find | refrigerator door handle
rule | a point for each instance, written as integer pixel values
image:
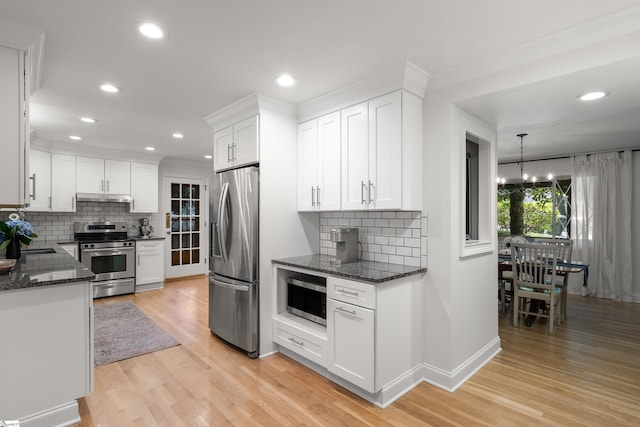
(221, 229)
(225, 284)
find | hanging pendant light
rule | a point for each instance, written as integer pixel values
(523, 176)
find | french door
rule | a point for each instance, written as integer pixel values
(185, 222)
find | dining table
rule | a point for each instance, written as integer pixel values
(562, 268)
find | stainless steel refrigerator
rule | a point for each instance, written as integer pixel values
(233, 258)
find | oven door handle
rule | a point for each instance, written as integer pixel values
(114, 250)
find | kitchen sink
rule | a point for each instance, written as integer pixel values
(38, 251)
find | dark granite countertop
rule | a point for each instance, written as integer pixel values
(35, 270)
(366, 271)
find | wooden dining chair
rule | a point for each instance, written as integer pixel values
(534, 276)
(565, 247)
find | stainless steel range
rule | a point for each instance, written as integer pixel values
(107, 251)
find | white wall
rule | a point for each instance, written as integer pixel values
(460, 294)
(283, 232)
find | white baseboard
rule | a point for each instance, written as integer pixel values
(59, 416)
(149, 287)
(449, 381)
(452, 380)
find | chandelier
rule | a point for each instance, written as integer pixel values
(523, 176)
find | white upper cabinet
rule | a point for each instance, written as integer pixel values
(103, 176)
(355, 157)
(52, 182)
(144, 187)
(63, 183)
(236, 145)
(40, 181)
(385, 152)
(117, 175)
(307, 165)
(319, 163)
(14, 138)
(90, 175)
(381, 143)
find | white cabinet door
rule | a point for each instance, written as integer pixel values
(329, 171)
(350, 333)
(355, 160)
(245, 142)
(117, 176)
(63, 183)
(40, 181)
(149, 262)
(144, 187)
(385, 152)
(222, 146)
(90, 175)
(307, 165)
(14, 138)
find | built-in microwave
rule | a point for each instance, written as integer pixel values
(307, 298)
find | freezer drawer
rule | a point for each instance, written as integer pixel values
(233, 312)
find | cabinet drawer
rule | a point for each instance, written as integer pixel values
(357, 293)
(149, 245)
(299, 341)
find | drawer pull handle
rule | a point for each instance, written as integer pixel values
(351, 312)
(295, 341)
(355, 294)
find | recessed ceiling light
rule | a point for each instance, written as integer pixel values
(151, 30)
(108, 87)
(178, 135)
(208, 156)
(592, 96)
(285, 80)
(88, 119)
(76, 137)
(150, 148)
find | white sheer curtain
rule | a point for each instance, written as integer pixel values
(601, 219)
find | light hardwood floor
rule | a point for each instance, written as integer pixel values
(587, 374)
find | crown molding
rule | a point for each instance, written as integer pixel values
(601, 29)
(247, 107)
(27, 38)
(407, 76)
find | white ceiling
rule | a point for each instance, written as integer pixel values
(219, 51)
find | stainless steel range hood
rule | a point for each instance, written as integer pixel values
(99, 197)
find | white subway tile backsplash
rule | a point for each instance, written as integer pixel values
(382, 223)
(381, 258)
(58, 226)
(395, 259)
(397, 237)
(381, 240)
(404, 251)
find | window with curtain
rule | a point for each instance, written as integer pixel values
(602, 195)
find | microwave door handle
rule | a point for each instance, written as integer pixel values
(221, 229)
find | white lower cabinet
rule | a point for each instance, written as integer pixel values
(47, 355)
(351, 352)
(149, 264)
(372, 337)
(312, 346)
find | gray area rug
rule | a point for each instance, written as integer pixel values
(123, 331)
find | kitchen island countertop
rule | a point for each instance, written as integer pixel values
(366, 271)
(36, 270)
